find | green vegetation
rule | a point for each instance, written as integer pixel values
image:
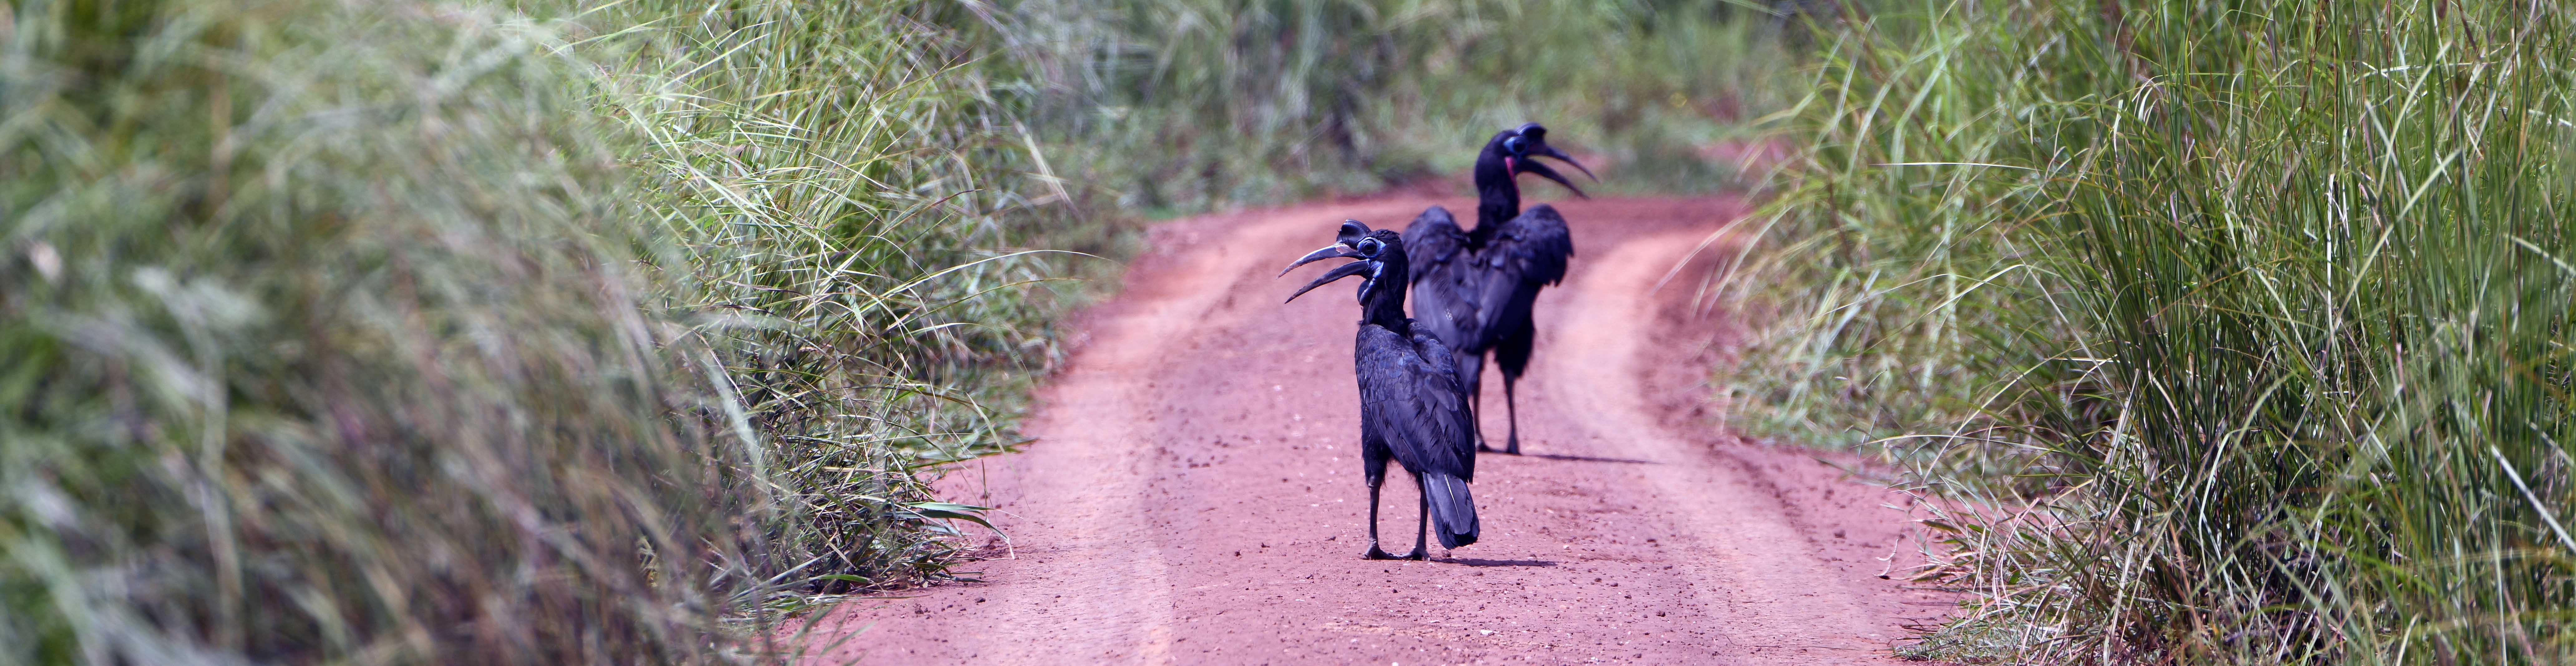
(1182, 105)
(838, 212)
(436, 332)
(2233, 332)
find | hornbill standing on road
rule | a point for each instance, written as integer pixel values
(1411, 406)
(1475, 287)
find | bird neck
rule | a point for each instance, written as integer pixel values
(1385, 304)
(1397, 324)
(1498, 199)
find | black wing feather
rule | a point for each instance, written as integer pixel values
(1533, 247)
(1530, 252)
(1410, 396)
(1431, 240)
(1446, 280)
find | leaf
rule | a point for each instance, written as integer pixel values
(955, 511)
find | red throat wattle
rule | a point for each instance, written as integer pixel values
(1507, 168)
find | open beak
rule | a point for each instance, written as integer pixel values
(1329, 251)
(1366, 267)
(1545, 150)
(1349, 239)
(1349, 236)
(1533, 166)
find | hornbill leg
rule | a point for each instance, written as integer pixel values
(1373, 552)
(1471, 376)
(1513, 354)
(1512, 412)
(1475, 406)
(1422, 527)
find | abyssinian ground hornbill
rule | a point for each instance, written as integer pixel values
(1473, 288)
(1412, 408)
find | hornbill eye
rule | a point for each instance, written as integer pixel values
(1369, 247)
(1517, 146)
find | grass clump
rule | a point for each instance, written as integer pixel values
(324, 338)
(842, 187)
(453, 332)
(2259, 312)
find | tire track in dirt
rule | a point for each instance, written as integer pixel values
(1193, 493)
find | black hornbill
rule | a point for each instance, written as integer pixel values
(1474, 288)
(1412, 408)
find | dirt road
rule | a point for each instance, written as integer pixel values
(1194, 496)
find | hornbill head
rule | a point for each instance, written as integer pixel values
(1373, 250)
(1518, 147)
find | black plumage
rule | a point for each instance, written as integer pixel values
(1412, 408)
(1474, 288)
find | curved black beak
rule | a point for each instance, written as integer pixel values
(1347, 241)
(1533, 166)
(1328, 252)
(1544, 150)
(1348, 236)
(1338, 272)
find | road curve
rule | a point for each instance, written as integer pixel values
(1193, 494)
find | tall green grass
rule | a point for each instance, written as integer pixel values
(844, 190)
(453, 332)
(1179, 105)
(2237, 333)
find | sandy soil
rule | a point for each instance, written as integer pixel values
(1194, 494)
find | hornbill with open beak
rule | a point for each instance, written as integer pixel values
(1412, 408)
(1474, 288)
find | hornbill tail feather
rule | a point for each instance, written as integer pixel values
(1453, 510)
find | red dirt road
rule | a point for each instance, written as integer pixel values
(1194, 496)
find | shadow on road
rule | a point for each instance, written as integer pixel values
(1475, 562)
(1574, 458)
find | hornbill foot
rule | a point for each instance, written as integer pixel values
(1423, 554)
(1375, 554)
(1514, 450)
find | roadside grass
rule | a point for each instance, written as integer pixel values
(844, 191)
(445, 332)
(2233, 333)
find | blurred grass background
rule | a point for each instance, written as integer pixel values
(1175, 106)
(2225, 332)
(561, 331)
